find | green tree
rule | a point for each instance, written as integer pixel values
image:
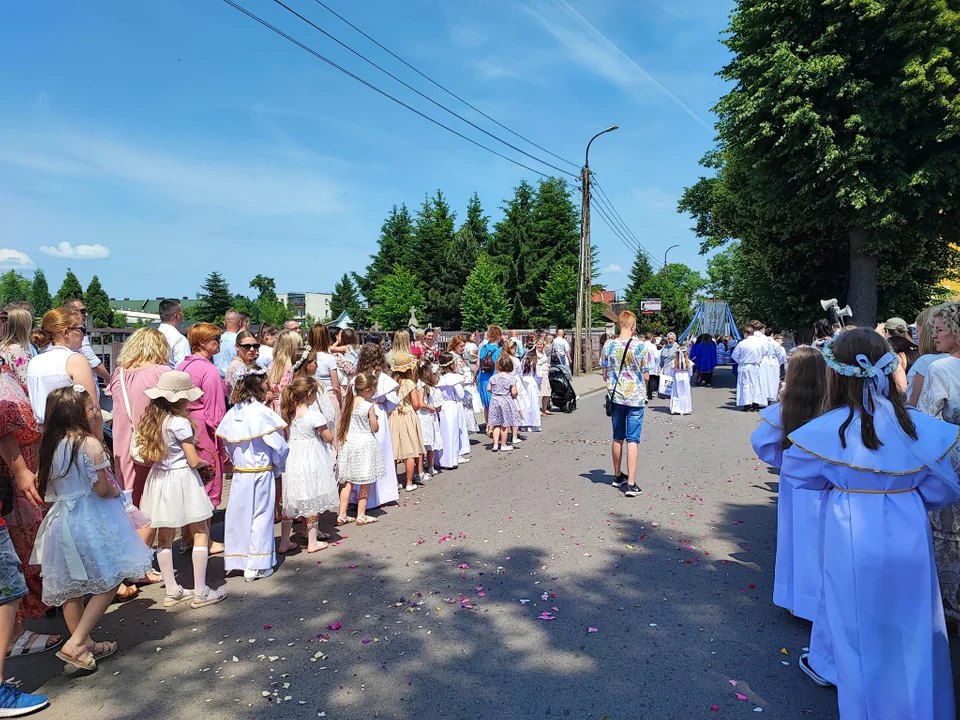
(509, 248)
(70, 290)
(345, 297)
(841, 130)
(215, 299)
(484, 299)
(559, 298)
(396, 236)
(432, 238)
(394, 296)
(478, 223)
(98, 305)
(553, 243)
(451, 276)
(267, 306)
(14, 287)
(676, 285)
(640, 273)
(40, 294)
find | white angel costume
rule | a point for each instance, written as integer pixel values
(748, 355)
(385, 489)
(796, 578)
(451, 422)
(253, 436)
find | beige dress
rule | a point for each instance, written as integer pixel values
(405, 425)
(941, 399)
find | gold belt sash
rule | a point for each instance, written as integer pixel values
(875, 492)
(253, 470)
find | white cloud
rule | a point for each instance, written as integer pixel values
(613, 268)
(78, 252)
(590, 48)
(14, 258)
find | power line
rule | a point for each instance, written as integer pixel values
(413, 89)
(615, 230)
(431, 80)
(612, 208)
(387, 95)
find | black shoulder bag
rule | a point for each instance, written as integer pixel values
(608, 405)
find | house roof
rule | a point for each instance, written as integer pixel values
(607, 296)
(147, 306)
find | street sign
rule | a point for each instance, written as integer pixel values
(649, 306)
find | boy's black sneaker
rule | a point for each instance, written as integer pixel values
(619, 480)
(632, 491)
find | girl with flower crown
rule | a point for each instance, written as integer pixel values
(879, 633)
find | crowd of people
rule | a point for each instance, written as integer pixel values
(306, 425)
(864, 430)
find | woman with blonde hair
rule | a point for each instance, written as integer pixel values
(15, 343)
(207, 411)
(60, 363)
(286, 352)
(401, 344)
(928, 355)
(326, 369)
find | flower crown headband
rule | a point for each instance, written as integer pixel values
(303, 356)
(247, 371)
(864, 368)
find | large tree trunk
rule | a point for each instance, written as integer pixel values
(862, 293)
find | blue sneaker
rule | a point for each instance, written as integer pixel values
(14, 703)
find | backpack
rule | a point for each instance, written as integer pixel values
(486, 361)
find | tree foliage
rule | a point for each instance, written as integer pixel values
(640, 273)
(478, 223)
(508, 247)
(838, 152)
(267, 306)
(345, 297)
(40, 294)
(451, 276)
(393, 297)
(484, 298)
(677, 286)
(98, 305)
(215, 299)
(70, 290)
(396, 237)
(432, 238)
(14, 287)
(559, 298)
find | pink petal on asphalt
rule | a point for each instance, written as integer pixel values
(592, 630)
(741, 697)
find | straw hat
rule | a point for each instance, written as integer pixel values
(403, 361)
(174, 386)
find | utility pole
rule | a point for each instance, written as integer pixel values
(585, 280)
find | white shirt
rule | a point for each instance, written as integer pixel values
(651, 356)
(178, 344)
(750, 351)
(326, 364)
(87, 349)
(45, 373)
(561, 348)
(265, 357)
(228, 351)
(175, 431)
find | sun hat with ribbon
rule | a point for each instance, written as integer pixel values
(403, 361)
(174, 386)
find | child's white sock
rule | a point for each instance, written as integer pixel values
(200, 557)
(165, 561)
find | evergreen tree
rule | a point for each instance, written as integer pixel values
(345, 297)
(508, 248)
(98, 305)
(640, 273)
(70, 290)
(215, 299)
(40, 294)
(396, 236)
(267, 306)
(484, 298)
(14, 287)
(432, 237)
(478, 223)
(559, 298)
(452, 274)
(676, 285)
(554, 242)
(393, 297)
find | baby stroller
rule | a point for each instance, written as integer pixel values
(562, 395)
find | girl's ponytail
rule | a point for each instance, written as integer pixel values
(294, 395)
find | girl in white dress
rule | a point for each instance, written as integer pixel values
(681, 399)
(309, 486)
(86, 545)
(429, 415)
(174, 496)
(253, 436)
(371, 360)
(360, 461)
(450, 385)
(530, 376)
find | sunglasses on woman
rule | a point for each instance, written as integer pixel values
(251, 346)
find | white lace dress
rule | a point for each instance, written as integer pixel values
(86, 544)
(360, 461)
(309, 486)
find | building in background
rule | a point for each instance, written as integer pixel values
(301, 304)
(145, 311)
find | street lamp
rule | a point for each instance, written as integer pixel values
(585, 284)
(665, 256)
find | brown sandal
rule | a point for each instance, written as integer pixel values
(77, 661)
(127, 592)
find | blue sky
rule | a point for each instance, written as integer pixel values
(150, 143)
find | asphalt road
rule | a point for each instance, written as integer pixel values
(659, 606)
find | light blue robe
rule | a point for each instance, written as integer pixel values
(879, 634)
(796, 577)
